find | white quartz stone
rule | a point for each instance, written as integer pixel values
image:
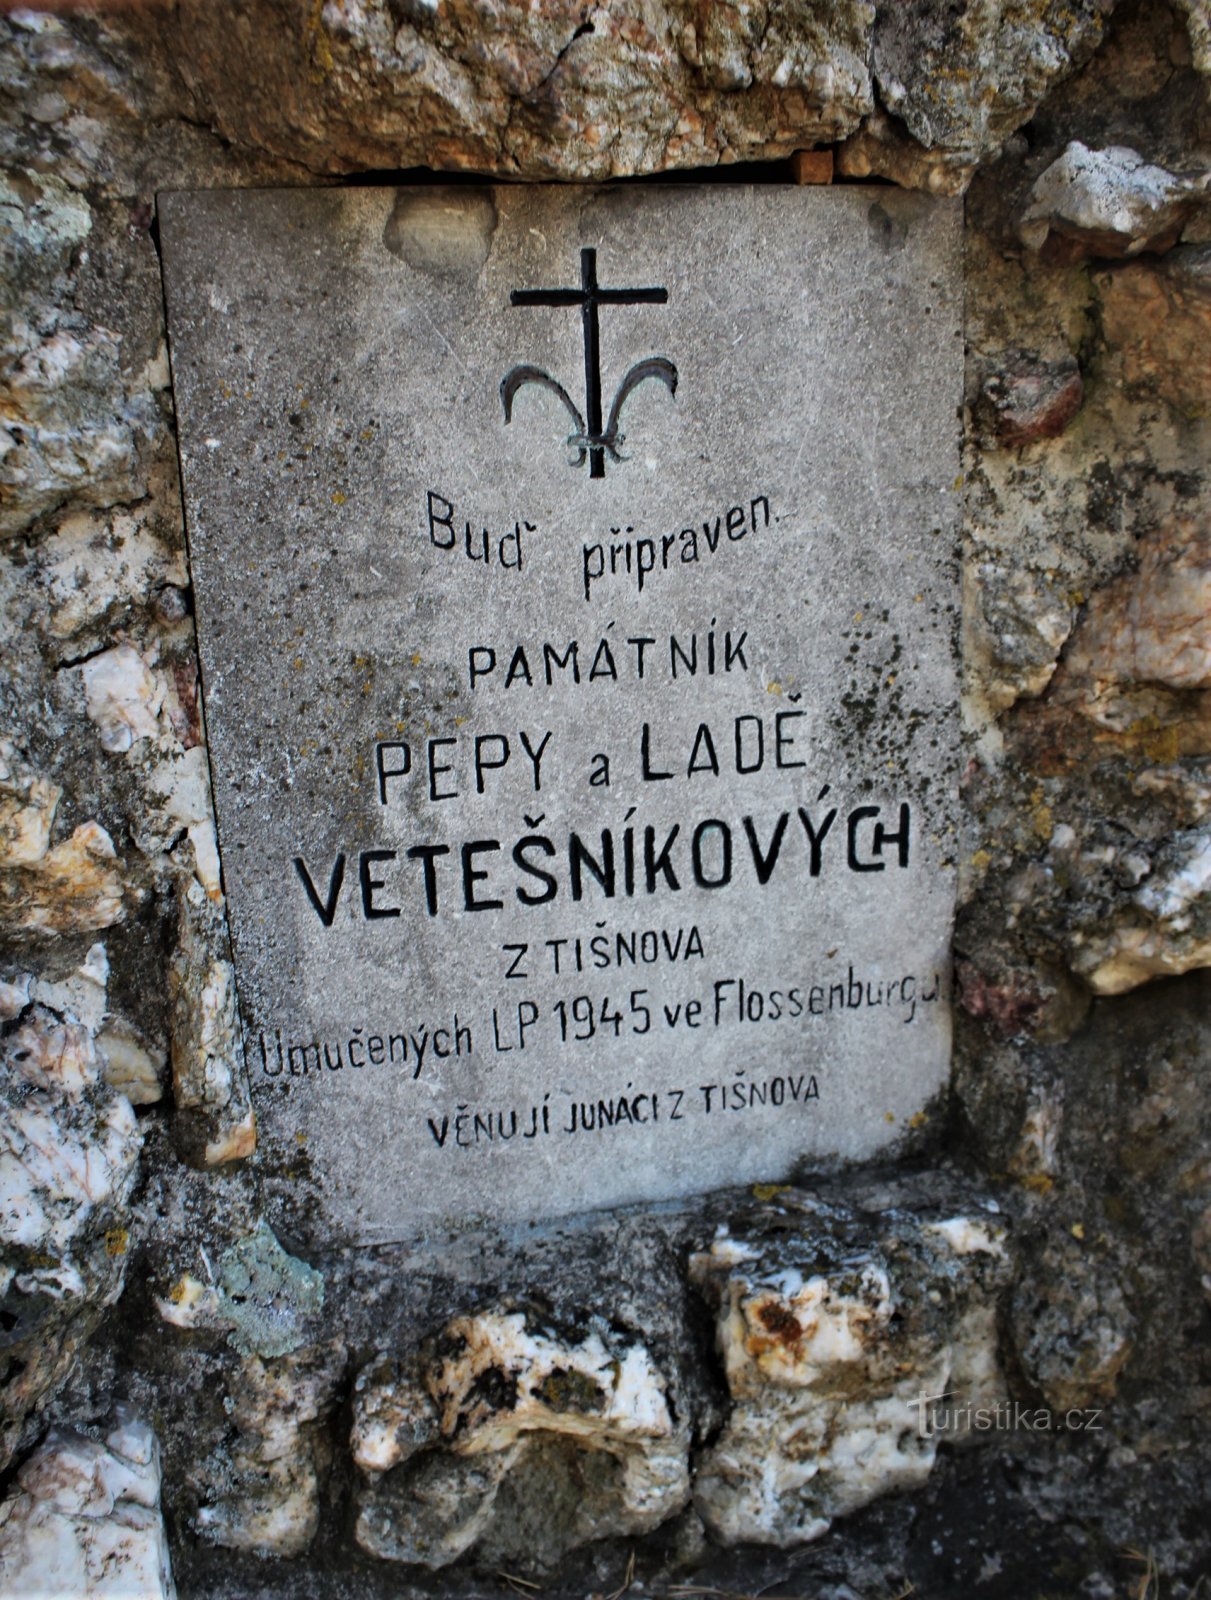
(84, 1521)
(123, 694)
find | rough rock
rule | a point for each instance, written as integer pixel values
(76, 886)
(1110, 904)
(591, 92)
(81, 996)
(1036, 1161)
(69, 1148)
(131, 1063)
(123, 697)
(1154, 627)
(1116, 889)
(99, 569)
(1074, 1336)
(210, 1078)
(1157, 320)
(960, 80)
(1162, 929)
(882, 149)
(46, 222)
(454, 1443)
(1038, 1004)
(1151, 627)
(258, 1485)
(1024, 399)
(266, 1492)
(1200, 1244)
(70, 431)
(84, 1522)
(148, 713)
(27, 809)
(1185, 786)
(568, 90)
(1108, 203)
(1016, 626)
(833, 1332)
(1198, 23)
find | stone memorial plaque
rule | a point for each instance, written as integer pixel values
(576, 589)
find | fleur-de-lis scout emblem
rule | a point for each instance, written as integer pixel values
(589, 438)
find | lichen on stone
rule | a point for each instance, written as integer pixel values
(267, 1295)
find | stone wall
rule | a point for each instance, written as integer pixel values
(716, 1398)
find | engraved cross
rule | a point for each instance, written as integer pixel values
(589, 297)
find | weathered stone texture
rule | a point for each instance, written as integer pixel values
(567, 90)
(263, 1297)
(1108, 203)
(267, 1498)
(1112, 1128)
(85, 1519)
(1024, 399)
(961, 80)
(573, 90)
(1157, 321)
(69, 1147)
(828, 1352)
(1152, 626)
(1080, 1090)
(209, 1075)
(1198, 22)
(457, 1445)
